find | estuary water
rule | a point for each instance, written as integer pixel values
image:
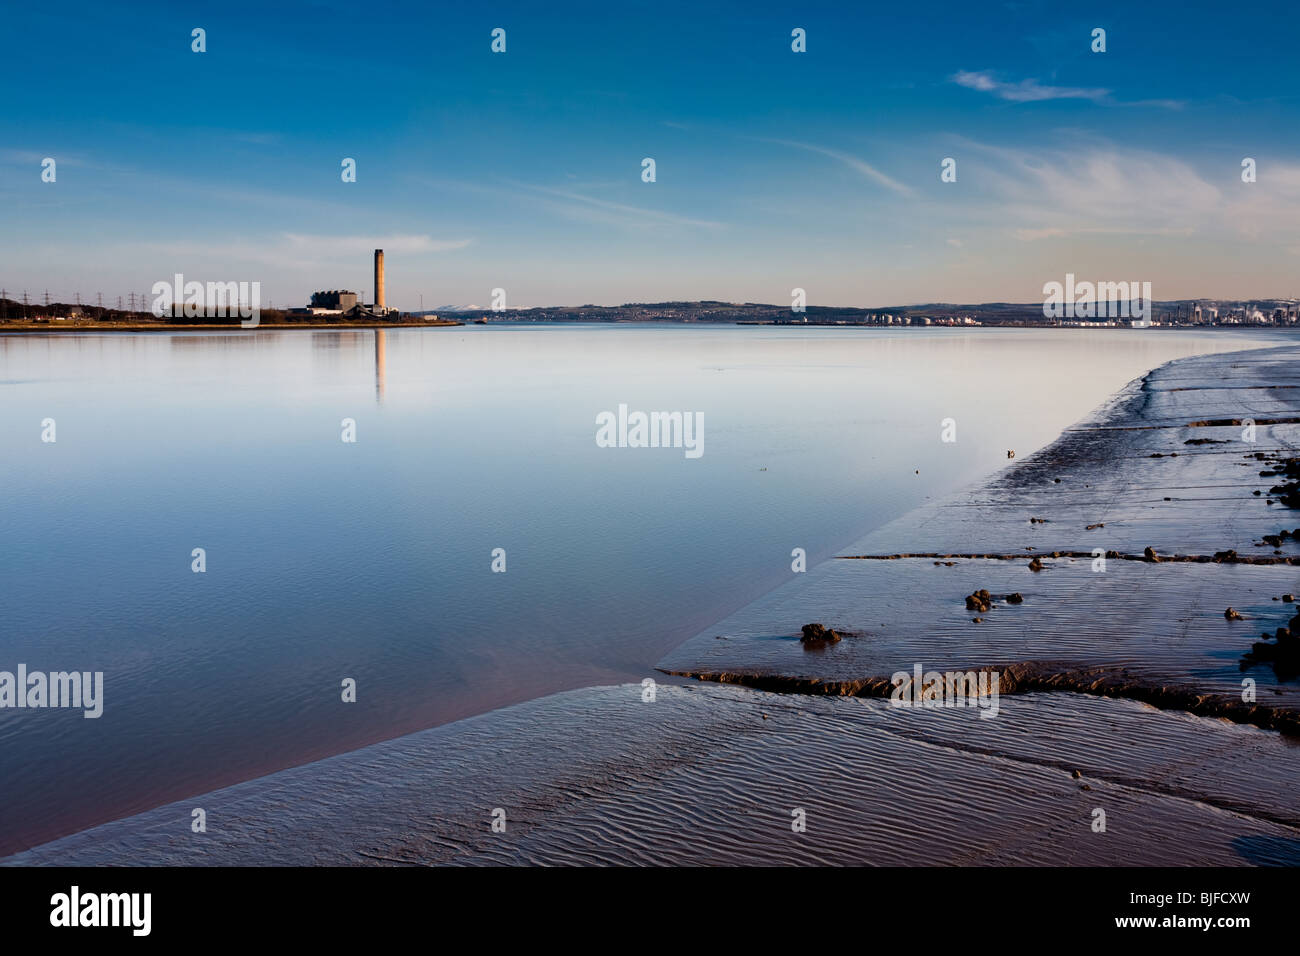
(372, 560)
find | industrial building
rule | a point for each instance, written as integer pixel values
(336, 300)
(347, 304)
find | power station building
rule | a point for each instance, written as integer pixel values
(336, 300)
(347, 304)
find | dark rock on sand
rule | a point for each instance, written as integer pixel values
(1284, 655)
(816, 634)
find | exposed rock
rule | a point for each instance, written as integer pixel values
(1231, 614)
(1036, 564)
(981, 600)
(816, 634)
(1015, 598)
(1150, 554)
(1284, 655)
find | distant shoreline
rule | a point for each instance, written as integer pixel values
(43, 328)
(171, 327)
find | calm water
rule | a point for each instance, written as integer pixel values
(372, 560)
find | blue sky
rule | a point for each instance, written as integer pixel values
(775, 169)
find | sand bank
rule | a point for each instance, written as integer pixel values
(1100, 613)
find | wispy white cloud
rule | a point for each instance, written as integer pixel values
(1162, 104)
(294, 252)
(589, 208)
(1032, 91)
(1033, 235)
(1113, 190)
(860, 166)
(1026, 91)
(325, 247)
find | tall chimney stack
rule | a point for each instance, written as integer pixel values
(379, 278)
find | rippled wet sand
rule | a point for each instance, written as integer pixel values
(709, 774)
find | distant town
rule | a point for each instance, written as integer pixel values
(343, 308)
(1187, 312)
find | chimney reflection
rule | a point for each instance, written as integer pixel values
(379, 366)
